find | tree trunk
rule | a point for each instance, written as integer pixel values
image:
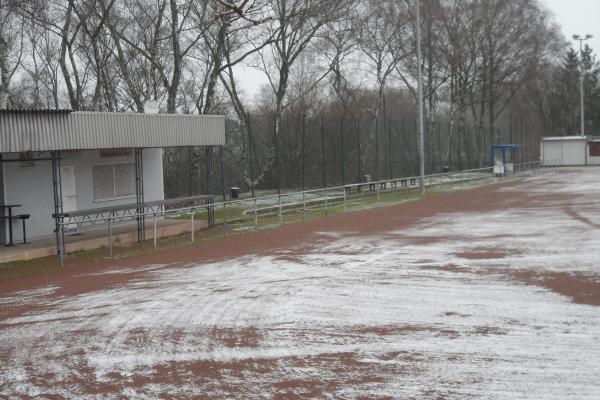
(216, 70)
(173, 86)
(3, 73)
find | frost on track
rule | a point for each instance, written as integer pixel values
(448, 307)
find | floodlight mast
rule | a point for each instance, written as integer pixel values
(420, 100)
(581, 79)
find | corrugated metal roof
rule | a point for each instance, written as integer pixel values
(35, 110)
(38, 131)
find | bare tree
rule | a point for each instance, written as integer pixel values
(337, 44)
(293, 27)
(382, 34)
(11, 38)
(4, 75)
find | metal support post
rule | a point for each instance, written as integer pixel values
(255, 214)
(326, 203)
(582, 99)
(193, 227)
(154, 232)
(139, 194)
(342, 149)
(323, 151)
(389, 150)
(376, 150)
(276, 143)
(280, 213)
(61, 254)
(250, 162)
(304, 205)
(210, 188)
(110, 241)
(303, 148)
(345, 206)
(362, 198)
(58, 204)
(224, 219)
(359, 150)
(420, 100)
(62, 240)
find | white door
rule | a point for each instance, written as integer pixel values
(69, 195)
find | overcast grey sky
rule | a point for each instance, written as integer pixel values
(578, 17)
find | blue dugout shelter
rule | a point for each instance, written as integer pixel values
(503, 158)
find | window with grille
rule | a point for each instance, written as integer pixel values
(113, 181)
(595, 149)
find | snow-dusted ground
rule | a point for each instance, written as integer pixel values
(432, 310)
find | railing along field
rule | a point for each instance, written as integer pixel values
(238, 215)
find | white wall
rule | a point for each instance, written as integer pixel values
(32, 186)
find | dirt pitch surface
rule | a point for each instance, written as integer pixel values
(488, 293)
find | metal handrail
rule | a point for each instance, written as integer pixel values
(327, 190)
(133, 206)
(289, 194)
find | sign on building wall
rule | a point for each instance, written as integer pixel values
(112, 153)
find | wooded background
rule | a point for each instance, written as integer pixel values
(339, 70)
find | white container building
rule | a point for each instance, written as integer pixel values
(567, 151)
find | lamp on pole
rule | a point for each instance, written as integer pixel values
(420, 100)
(581, 78)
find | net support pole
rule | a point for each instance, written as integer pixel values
(420, 100)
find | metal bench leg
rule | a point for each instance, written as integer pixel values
(10, 231)
(24, 233)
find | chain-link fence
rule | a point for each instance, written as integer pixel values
(301, 152)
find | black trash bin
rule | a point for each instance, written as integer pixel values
(367, 179)
(235, 192)
(446, 169)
